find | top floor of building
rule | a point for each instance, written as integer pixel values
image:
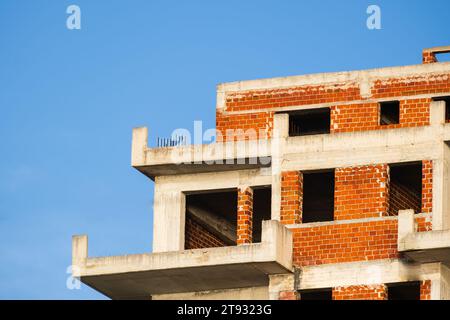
(394, 97)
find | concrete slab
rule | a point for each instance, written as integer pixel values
(141, 275)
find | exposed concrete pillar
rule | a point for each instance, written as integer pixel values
(245, 215)
(441, 190)
(138, 146)
(168, 220)
(440, 287)
(79, 250)
(280, 134)
(440, 166)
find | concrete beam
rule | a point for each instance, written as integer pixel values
(253, 293)
(280, 135)
(365, 273)
(424, 247)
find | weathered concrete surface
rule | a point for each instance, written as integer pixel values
(141, 275)
(423, 247)
(365, 273)
(253, 293)
(199, 158)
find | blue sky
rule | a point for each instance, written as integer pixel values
(70, 98)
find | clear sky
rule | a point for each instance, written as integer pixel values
(70, 98)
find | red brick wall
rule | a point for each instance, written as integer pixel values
(252, 125)
(254, 109)
(293, 96)
(401, 198)
(425, 290)
(245, 216)
(346, 242)
(361, 117)
(197, 237)
(291, 197)
(371, 292)
(354, 117)
(424, 223)
(428, 57)
(288, 295)
(427, 186)
(360, 192)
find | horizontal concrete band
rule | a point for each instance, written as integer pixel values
(135, 276)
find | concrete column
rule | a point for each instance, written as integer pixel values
(138, 146)
(406, 225)
(79, 250)
(441, 190)
(440, 288)
(280, 134)
(440, 193)
(245, 215)
(168, 220)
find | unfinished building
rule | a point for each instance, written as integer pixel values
(342, 193)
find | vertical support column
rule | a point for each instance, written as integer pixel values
(437, 289)
(291, 197)
(138, 146)
(280, 134)
(245, 215)
(169, 210)
(79, 253)
(440, 191)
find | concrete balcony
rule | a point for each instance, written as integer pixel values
(139, 276)
(197, 158)
(423, 247)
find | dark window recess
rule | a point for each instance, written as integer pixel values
(404, 291)
(211, 219)
(262, 203)
(322, 294)
(405, 187)
(446, 99)
(389, 112)
(308, 122)
(318, 196)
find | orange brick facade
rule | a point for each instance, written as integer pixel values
(291, 188)
(197, 236)
(245, 216)
(364, 227)
(370, 292)
(360, 192)
(345, 242)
